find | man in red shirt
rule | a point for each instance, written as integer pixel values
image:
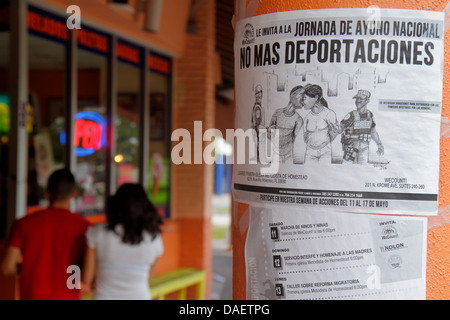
(47, 243)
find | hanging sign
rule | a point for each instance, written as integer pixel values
(128, 53)
(89, 135)
(342, 108)
(160, 64)
(47, 25)
(93, 40)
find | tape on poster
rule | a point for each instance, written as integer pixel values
(442, 219)
(447, 17)
(245, 11)
(445, 128)
(243, 222)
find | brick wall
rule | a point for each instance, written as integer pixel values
(194, 100)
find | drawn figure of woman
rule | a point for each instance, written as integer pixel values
(320, 126)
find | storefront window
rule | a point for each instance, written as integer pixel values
(159, 149)
(47, 45)
(90, 122)
(127, 117)
(4, 111)
(45, 110)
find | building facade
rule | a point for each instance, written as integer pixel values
(99, 88)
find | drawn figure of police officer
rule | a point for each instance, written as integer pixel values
(358, 130)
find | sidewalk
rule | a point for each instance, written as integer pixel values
(222, 278)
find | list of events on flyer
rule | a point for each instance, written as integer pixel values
(327, 255)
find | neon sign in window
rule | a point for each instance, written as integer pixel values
(89, 135)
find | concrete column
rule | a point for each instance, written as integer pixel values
(438, 251)
(192, 184)
(18, 137)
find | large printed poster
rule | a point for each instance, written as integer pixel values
(342, 108)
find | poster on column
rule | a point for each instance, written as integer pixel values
(341, 109)
(320, 254)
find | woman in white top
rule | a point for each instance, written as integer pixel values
(121, 251)
(321, 126)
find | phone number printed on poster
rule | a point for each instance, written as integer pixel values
(343, 107)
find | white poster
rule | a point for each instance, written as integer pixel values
(320, 254)
(342, 108)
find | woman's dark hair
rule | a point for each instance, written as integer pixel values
(131, 208)
(316, 91)
(313, 91)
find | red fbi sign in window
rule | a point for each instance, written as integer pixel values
(88, 134)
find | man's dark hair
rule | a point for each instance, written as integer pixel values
(295, 90)
(61, 185)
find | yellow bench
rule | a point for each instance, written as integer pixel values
(176, 281)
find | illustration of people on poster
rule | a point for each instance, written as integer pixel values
(354, 97)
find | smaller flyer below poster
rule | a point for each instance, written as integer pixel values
(323, 255)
